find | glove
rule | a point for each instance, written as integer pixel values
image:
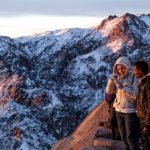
(119, 84)
(113, 76)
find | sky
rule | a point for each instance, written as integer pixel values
(27, 17)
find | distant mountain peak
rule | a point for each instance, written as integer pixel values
(127, 28)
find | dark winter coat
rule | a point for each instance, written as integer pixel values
(143, 101)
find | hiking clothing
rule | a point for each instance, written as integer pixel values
(128, 129)
(125, 96)
(143, 100)
(126, 93)
(143, 110)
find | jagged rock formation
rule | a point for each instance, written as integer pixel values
(46, 80)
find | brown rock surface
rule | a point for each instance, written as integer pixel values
(109, 143)
(83, 137)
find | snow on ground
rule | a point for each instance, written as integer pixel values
(109, 26)
(146, 19)
(83, 67)
(115, 45)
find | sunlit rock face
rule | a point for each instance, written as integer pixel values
(50, 81)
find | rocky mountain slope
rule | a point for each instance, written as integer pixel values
(50, 81)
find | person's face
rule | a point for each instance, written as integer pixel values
(121, 69)
(137, 72)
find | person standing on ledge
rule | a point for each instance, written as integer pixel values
(143, 102)
(124, 104)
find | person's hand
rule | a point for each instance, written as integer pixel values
(111, 77)
(145, 130)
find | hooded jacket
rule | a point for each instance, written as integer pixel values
(125, 97)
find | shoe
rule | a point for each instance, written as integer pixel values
(106, 124)
(96, 135)
(101, 123)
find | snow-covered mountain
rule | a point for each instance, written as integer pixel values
(50, 81)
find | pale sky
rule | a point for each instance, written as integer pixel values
(26, 17)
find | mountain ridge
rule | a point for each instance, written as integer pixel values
(58, 76)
